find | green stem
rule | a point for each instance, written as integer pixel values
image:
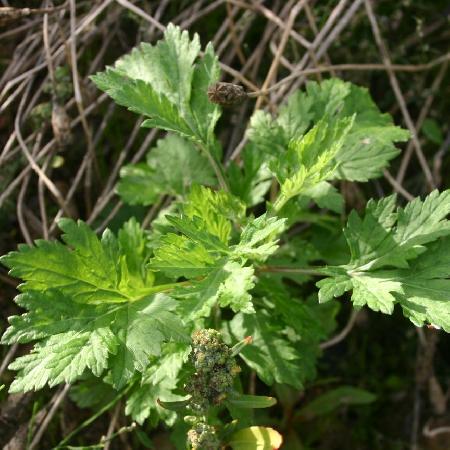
(281, 200)
(217, 167)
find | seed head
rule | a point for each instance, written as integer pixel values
(226, 94)
(215, 369)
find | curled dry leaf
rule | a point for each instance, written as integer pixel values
(60, 124)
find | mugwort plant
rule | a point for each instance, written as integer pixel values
(225, 259)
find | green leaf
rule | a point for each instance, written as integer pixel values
(312, 322)
(92, 392)
(327, 98)
(259, 238)
(334, 399)
(167, 83)
(144, 183)
(233, 292)
(387, 238)
(422, 290)
(432, 131)
(251, 181)
(250, 401)
(177, 405)
(426, 288)
(305, 324)
(206, 114)
(333, 287)
(158, 382)
(256, 438)
(63, 358)
(398, 256)
(90, 306)
(367, 147)
(267, 135)
(142, 98)
(141, 328)
(374, 291)
(197, 299)
(73, 338)
(315, 151)
(217, 209)
(312, 159)
(137, 185)
(51, 313)
(133, 246)
(301, 111)
(197, 230)
(326, 196)
(228, 286)
(86, 269)
(202, 251)
(272, 357)
(180, 256)
(144, 439)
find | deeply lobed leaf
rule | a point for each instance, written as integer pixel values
(166, 84)
(369, 144)
(86, 269)
(90, 306)
(398, 256)
(145, 183)
(158, 381)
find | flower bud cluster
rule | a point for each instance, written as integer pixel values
(215, 369)
(203, 437)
